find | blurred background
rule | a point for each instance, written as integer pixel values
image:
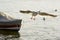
(34, 29)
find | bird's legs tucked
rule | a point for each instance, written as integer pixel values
(33, 17)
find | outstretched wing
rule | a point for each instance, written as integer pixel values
(27, 12)
(46, 14)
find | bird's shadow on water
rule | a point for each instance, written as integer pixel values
(9, 35)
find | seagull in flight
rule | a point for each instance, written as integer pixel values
(34, 14)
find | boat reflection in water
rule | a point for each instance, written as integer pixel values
(9, 35)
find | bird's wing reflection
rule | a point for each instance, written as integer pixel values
(7, 34)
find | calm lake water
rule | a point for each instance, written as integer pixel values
(33, 30)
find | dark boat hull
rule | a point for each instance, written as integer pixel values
(11, 25)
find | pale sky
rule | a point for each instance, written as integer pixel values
(29, 4)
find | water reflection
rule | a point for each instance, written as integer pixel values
(9, 35)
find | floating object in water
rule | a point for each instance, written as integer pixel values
(55, 10)
(44, 18)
